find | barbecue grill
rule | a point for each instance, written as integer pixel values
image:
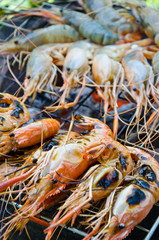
(147, 229)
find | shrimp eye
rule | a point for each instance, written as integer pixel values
(11, 134)
(134, 89)
(35, 160)
(28, 77)
(68, 69)
(121, 225)
(138, 7)
(16, 41)
(92, 201)
(54, 180)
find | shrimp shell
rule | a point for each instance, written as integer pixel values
(148, 17)
(96, 184)
(28, 135)
(58, 167)
(52, 34)
(135, 201)
(85, 25)
(13, 112)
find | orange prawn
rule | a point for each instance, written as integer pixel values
(96, 184)
(28, 135)
(60, 166)
(130, 204)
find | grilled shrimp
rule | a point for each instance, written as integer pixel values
(96, 184)
(140, 79)
(52, 34)
(132, 202)
(28, 135)
(108, 74)
(41, 68)
(59, 166)
(76, 66)
(148, 17)
(35, 154)
(13, 112)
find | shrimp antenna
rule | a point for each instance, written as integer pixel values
(8, 174)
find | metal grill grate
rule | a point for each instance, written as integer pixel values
(87, 106)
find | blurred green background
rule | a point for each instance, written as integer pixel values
(18, 4)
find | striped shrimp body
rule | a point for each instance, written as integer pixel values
(75, 68)
(120, 21)
(108, 74)
(61, 165)
(85, 25)
(41, 70)
(97, 183)
(13, 112)
(52, 34)
(134, 201)
(28, 135)
(140, 79)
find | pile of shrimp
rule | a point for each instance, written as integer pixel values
(124, 178)
(100, 46)
(112, 48)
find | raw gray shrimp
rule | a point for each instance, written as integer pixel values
(108, 75)
(148, 17)
(119, 20)
(140, 80)
(85, 25)
(41, 68)
(75, 68)
(52, 34)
